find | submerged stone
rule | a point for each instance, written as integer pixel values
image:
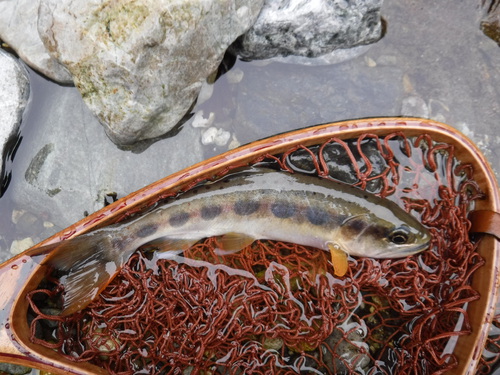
(490, 22)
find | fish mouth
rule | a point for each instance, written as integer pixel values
(407, 251)
(416, 249)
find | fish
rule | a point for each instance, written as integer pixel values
(239, 209)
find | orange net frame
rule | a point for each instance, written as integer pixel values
(276, 308)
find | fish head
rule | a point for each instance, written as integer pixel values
(395, 234)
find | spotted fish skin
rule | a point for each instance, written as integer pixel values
(286, 207)
(253, 205)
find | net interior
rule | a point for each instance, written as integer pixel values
(277, 308)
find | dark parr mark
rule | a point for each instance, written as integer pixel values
(353, 227)
(283, 210)
(246, 207)
(210, 212)
(317, 216)
(178, 219)
(147, 230)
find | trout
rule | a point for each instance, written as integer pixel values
(240, 209)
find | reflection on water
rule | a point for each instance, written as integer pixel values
(434, 62)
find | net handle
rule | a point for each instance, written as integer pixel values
(485, 221)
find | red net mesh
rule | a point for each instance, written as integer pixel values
(276, 307)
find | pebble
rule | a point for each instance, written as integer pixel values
(234, 75)
(206, 92)
(18, 246)
(216, 136)
(414, 106)
(201, 122)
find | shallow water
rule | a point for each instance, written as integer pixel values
(433, 62)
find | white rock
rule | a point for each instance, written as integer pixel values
(234, 143)
(18, 28)
(14, 94)
(18, 246)
(216, 136)
(201, 122)
(16, 214)
(139, 65)
(48, 225)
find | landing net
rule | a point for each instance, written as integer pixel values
(276, 308)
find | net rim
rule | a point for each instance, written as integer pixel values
(470, 346)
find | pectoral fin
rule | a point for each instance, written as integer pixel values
(339, 259)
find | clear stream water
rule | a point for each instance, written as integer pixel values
(433, 62)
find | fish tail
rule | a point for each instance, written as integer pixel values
(91, 262)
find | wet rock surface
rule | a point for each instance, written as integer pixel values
(490, 22)
(18, 28)
(310, 28)
(139, 65)
(14, 95)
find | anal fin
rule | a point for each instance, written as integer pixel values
(232, 242)
(339, 259)
(169, 244)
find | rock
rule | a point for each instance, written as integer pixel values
(18, 28)
(414, 106)
(66, 166)
(216, 136)
(339, 164)
(201, 122)
(490, 22)
(18, 246)
(8, 368)
(14, 94)
(310, 28)
(351, 350)
(28, 223)
(139, 65)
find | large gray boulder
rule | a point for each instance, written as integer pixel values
(14, 95)
(139, 65)
(310, 28)
(18, 20)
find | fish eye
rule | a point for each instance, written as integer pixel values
(399, 236)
